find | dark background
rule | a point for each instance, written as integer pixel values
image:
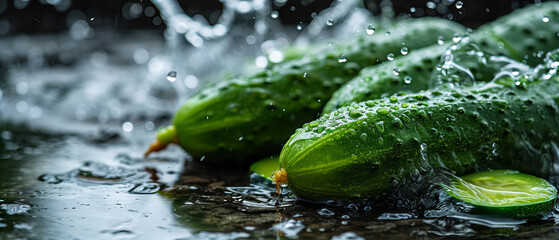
(37, 16)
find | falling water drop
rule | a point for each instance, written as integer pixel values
(172, 76)
(127, 126)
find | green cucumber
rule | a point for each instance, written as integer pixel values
(369, 148)
(524, 35)
(266, 167)
(413, 72)
(252, 116)
(504, 193)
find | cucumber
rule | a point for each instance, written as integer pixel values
(519, 34)
(266, 167)
(371, 148)
(524, 35)
(252, 116)
(504, 193)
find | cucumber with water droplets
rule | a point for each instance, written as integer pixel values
(252, 116)
(521, 33)
(524, 35)
(504, 193)
(370, 148)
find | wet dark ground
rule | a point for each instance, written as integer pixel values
(91, 187)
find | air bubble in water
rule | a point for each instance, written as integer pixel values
(407, 79)
(172, 76)
(127, 126)
(390, 56)
(370, 29)
(545, 19)
(404, 51)
(342, 59)
(396, 71)
(459, 4)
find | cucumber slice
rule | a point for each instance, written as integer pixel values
(504, 193)
(266, 167)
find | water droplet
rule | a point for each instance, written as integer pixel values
(330, 22)
(274, 14)
(261, 62)
(370, 29)
(127, 126)
(431, 5)
(191, 81)
(342, 59)
(407, 79)
(545, 19)
(412, 9)
(459, 4)
(145, 188)
(241, 139)
(456, 39)
(440, 40)
(390, 56)
(172, 76)
(21, 88)
(364, 136)
(326, 212)
(380, 126)
(300, 26)
(396, 71)
(404, 51)
(149, 125)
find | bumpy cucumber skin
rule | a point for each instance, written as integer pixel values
(519, 34)
(249, 117)
(523, 33)
(370, 148)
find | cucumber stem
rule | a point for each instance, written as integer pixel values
(164, 137)
(280, 177)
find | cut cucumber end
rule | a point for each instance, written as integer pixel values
(266, 167)
(504, 193)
